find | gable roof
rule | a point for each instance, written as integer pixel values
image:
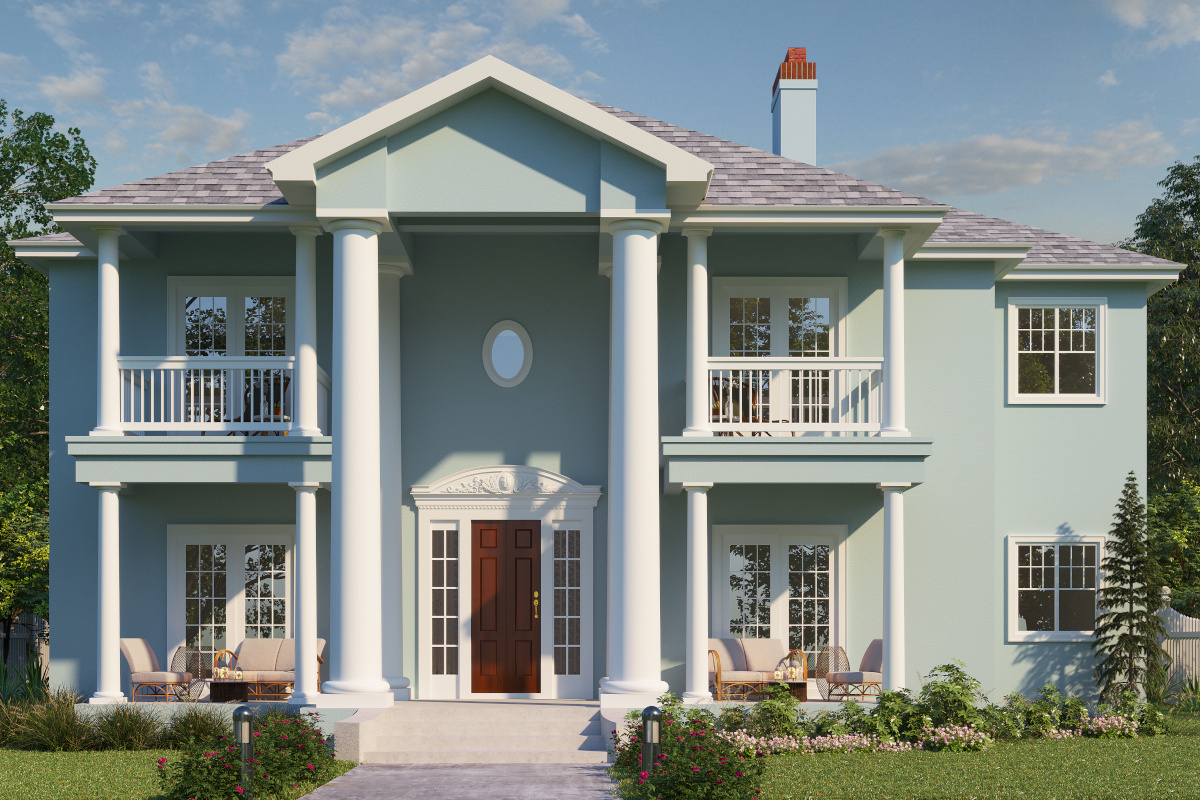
(742, 176)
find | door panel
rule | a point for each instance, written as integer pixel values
(506, 629)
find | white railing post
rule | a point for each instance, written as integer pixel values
(108, 333)
(304, 397)
(893, 334)
(697, 411)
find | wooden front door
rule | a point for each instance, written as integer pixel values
(506, 607)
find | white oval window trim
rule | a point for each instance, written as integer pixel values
(507, 353)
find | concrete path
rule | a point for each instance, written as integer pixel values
(468, 782)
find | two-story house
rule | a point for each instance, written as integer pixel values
(506, 393)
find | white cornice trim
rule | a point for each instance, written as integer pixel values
(295, 172)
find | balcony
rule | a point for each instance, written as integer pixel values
(794, 396)
(249, 396)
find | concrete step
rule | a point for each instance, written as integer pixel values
(476, 742)
(423, 709)
(487, 757)
(489, 727)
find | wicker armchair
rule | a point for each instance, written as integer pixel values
(866, 681)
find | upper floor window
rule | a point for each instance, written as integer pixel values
(1056, 350)
(231, 316)
(779, 317)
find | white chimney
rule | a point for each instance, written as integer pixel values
(794, 108)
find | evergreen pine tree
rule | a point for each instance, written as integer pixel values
(1128, 632)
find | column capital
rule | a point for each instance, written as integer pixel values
(893, 487)
(305, 486)
(347, 223)
(395, 269)
(309, 229)
(697, 230)
(696, 487)
(109, 485)
(117, 229)
(653, 221)
(889, 232)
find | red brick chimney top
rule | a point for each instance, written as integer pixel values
(795, 66)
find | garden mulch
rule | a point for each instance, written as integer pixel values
(468, 782)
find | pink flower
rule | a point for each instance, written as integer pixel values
(310, 766)
(695, 769)
(643, 774)
(162, 761)
(239, 790)
(259, 733)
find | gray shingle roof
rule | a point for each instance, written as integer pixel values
(741, 176)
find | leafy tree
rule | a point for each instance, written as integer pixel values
(1170, 228)
(1173, 527)
(38, 165)
(1128, 632)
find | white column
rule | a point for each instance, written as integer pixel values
(108, 335)
(698, 409)
(392, 486)
(893, 585)
(305, 331)
(306, 594)
(635, 647)
(893, 334)
(108, 600)
(356, 666)
(695, 682)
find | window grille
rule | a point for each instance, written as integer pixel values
(445, 602)
(567, 614)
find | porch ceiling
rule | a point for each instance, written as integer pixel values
(717, 460)
(201, 459)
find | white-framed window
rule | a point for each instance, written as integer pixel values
(779, 317)
(234, 316)
(1056, 352)
(226, 583)
(1053, 584)
(780, 582)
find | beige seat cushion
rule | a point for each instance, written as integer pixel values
(268, 676)
(745, 676)
(855, 677)
(763, 655)
(730, 652)
(258, 654)
(286, 660)
(139, 655)
(160, 677)
(872, 660)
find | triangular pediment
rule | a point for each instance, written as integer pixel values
(511, 482)
(296, 173)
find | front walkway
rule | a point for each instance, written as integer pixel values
(468, 782)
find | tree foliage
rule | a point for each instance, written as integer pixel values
(1173, 526)
(38, 165)
(1128, 632)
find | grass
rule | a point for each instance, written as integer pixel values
(26, 774)
(1147, 767)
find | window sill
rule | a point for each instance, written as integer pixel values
(1056, 400)
(1026, 637)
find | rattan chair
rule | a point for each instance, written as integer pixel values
(148, 681)
(868, 680)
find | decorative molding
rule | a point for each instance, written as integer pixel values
(485, 486)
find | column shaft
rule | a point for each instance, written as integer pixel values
(893, 587)
(108, 601)
(697, 411)
(108, 335)
(893, 334)
(306, 593)
(306, 388)
(355, 594)
(392, 486)
(634, 659)
(695, 685)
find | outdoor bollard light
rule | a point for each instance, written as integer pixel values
(243, 718)
(651, 730)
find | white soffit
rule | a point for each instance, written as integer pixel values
(295, 172)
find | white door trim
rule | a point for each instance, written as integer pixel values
(504, 493)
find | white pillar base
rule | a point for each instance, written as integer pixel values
(628, 689)
(100, 699)
(697, 432)
(345, 700)
(895, 432)
(694, 698)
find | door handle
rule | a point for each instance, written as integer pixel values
(535, 605)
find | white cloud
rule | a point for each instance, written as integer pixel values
(13, 68)
(83, 85)
(993, 163)
(1108, 80)
(1171, 23)
(154, 81)
(225, 12)
(352, 63)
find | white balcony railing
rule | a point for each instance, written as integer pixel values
(795, 395)
(251, 395)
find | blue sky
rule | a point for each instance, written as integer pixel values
(1060, 113)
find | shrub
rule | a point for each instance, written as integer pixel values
(288, 750)
(196, 724)
(955, 739)
(1005, 722)
(28, 682)
(1110, 727)
(54, 724)
(127, 726)
(951, 696)
(774, 716)
(697, 761)
(12, 722)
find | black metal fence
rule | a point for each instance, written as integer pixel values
(28, 638)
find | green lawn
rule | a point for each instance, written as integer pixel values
(31, 775)
(1147, 767)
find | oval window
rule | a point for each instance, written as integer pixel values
(507, 353)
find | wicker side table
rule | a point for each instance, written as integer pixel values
(832, 658)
